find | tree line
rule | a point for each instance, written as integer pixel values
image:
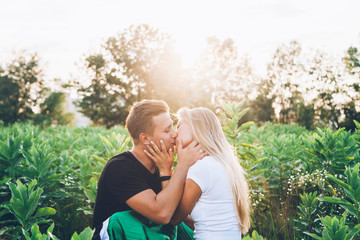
(306, 86)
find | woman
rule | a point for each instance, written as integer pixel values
(216, 193)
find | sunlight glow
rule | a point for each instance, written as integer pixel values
(189, 50)
(62, 31)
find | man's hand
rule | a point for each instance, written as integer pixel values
(190, 155)
(162, 159)
(161, 207)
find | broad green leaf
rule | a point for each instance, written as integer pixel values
(353, 232)
(87, 233)
(45, 211)
(343, 184)
(340, 234)
(314, 235)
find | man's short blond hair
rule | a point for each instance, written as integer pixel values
(140, 118)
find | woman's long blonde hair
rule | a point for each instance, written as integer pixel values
(207, 130)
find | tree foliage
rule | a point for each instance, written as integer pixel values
(21, 88)
(311, 87)
(286, 72)
(53, 111)
(306, 86)
(106, 99)
(222, 74)
(139, 63)
(261, 108)
(352, 62)
(137, 51)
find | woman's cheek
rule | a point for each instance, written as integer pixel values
(186, 139)
(180, 137)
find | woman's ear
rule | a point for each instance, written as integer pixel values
(144, 138)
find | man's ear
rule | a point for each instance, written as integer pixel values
(144, 138)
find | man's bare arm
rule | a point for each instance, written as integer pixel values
(192, 193)
(160, 208)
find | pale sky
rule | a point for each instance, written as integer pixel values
(61, 32)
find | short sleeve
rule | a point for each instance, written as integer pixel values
(200, 174)
(124, 180)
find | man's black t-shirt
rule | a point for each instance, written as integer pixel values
(122, 177)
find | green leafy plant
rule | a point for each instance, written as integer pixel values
(248, 153)
(254, 236)
(90, 192)
(86, 234)
(357, 133)
(307, 216)
(24, 203)
(232, 116)
(11, 152)
(331, 151)
(66, 163)
(335, 229)
(115, 143)
(40, 165)
(37, 235)
(352, 192)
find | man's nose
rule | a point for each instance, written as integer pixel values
(174, 134)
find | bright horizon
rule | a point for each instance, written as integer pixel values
(62, 32)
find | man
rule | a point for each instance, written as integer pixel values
(132, 181)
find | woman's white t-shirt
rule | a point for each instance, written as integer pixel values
(214, 214)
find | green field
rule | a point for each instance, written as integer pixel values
(301, 181)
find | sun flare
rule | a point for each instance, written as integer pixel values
(188, 49)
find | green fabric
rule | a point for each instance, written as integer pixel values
(184, 232)
(130, 225)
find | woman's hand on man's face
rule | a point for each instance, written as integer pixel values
(189, 155)
(162, 159)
